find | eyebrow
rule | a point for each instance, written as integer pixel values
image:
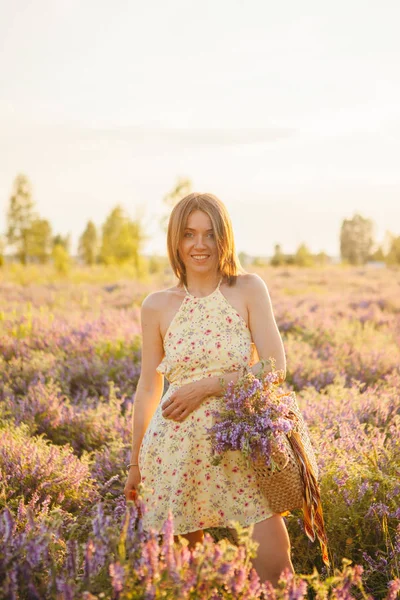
(191, 229)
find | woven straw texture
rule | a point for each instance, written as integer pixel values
(284, 488)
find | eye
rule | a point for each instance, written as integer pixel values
(211, 235)
(187, 234)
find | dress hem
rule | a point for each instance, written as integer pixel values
(264, 518)
(224, 525)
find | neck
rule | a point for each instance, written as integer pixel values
(202, 285)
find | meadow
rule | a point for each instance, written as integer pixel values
(69, 365)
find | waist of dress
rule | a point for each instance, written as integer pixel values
(180, 381)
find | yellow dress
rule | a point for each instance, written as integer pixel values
(207, 337)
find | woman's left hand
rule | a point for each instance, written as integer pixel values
(183, 401)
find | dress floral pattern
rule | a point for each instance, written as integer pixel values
(206, 338)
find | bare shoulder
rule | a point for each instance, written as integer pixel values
(251, 283)
(161, 301)
(154, 301)
(159, 308)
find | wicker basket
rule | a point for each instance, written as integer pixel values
(284, 488)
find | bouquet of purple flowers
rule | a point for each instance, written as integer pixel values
(265, 425)
(255, 419)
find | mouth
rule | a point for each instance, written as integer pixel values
(200, 257)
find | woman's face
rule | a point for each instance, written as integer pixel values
(198, 248)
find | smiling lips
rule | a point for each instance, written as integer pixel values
(200, 257)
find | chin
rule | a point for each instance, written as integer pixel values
(207, 266)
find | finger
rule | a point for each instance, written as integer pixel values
(172, 410)
(172, 397)
(167, 407)
(183, 415)
(168, 411)
(176, 412)
(167, 403)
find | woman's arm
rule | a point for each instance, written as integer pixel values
(267, 339)
(150, 384)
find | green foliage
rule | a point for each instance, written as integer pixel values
(278, 258)
(62, 240)
(393, 256)
(61, 259)
(88, 244)
(118, 349)
(20, 217)
(122, 239)
(378, 255)
(40, 241)
(303, 257)
(356, 239)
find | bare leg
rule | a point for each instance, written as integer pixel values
(193, 537)
(273, 554)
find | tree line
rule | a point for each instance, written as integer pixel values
(120, 239)
(357, 247)
(31, 238)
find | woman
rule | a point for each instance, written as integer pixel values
(202, 331)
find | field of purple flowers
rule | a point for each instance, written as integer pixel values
(69, 365)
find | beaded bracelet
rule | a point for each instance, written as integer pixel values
(132, 465)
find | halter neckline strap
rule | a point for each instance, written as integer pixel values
(202, 297)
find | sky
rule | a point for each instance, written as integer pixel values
(288, 111)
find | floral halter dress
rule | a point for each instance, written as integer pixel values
(207, 337)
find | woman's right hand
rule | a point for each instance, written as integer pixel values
(134, 478)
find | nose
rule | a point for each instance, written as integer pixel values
(199, 242)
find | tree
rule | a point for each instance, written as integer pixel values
(61, 259)
(88, 244)
(356, 239)
(64, 241)
(39, 241)
(278, 258)
(393, 256)
(122, 239)
(182, 188)
(378, 255)
(303, 257)
(20, 216)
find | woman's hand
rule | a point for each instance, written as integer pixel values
(184, 400)
(134, 478)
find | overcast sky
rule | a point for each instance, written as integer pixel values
(288, 111)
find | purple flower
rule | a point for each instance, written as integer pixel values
(253, 412)
(117, 573)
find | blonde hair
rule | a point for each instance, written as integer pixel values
(228, 263)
